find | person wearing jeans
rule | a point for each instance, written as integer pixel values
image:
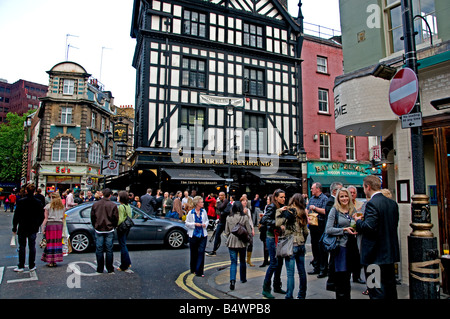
(297, 259)
(235, 244)
(124, 212)
(104, 218)
(104, 243)
(293, 221)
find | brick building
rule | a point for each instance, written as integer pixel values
(331, 156)
(20, 97)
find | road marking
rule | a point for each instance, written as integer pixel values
(192, 288)
(33, 276)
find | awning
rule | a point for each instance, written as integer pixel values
(345, 180)
(193, 176)
(278, 178)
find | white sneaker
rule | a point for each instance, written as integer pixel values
(17, 269)
(33, 269)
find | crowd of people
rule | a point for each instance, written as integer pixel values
(365, 232)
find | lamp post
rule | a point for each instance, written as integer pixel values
(106, 133)
(422, 245)
(230, 113)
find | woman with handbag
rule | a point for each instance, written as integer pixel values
(53, 230)
(276, 264)
(346, 250)
(122, 232)
(293, 223)
(237, 246)
(196, 222)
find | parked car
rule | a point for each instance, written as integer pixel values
(147, 229)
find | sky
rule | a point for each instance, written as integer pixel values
(33, 38)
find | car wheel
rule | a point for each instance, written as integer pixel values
(175, 238)
(80, 242)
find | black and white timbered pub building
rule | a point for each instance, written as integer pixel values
(218, 96)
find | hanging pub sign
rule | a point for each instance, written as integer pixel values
(120, 132)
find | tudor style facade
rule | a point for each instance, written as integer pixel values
(217, 93)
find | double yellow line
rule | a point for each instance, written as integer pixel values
(186, 281)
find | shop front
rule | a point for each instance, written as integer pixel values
(58, 177)
(348, 173)
(262, 175)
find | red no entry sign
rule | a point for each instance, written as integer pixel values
(403, 91)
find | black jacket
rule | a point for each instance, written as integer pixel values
(28, 216)
(379, 243)
(224, 209)
(268, 218)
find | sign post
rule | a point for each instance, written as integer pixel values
(110, 167)
(423, 254)
(403, 91)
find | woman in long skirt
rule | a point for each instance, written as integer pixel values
(52, 230)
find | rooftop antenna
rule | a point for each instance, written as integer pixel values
(69, 45)
(101, 63)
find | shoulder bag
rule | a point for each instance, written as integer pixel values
(285, 246)
(241, 232)
(330, 242)
(126, 224)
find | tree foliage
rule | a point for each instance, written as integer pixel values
(11, 147)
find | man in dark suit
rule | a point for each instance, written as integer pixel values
(148, 202)
(379, 244)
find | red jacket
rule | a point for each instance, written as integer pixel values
(211, 201)
(12, 199)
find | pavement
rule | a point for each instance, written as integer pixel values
(219, 279)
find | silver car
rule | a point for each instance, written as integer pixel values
(147, 229)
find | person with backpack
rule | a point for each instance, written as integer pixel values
(224, 208)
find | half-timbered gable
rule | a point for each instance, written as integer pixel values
(216, 75)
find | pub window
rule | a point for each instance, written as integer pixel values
(66, 115)
(255, 133)
(253, 36)
(322, 64)
(192, 127)
(323, 101)
(254, 81)
(64, 150)
(350, 147)
(194, 73)
(194, 23)
(324, 146)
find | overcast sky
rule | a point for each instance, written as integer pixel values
(33, 35)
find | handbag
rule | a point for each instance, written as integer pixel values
(241, 232)
(285, 246)
(43, 243)
(330, 242)
(313, 220)
(126, 224)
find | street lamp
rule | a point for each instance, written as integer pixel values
(121, 150)
(230, 113)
